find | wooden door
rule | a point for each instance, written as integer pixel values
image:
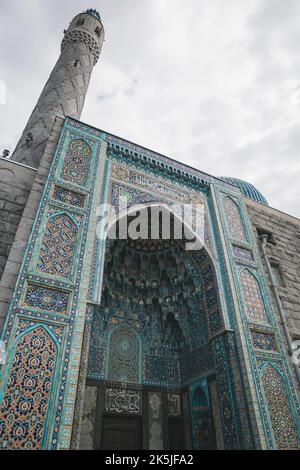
(176, 434)
(122, 433)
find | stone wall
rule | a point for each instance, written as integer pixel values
(89, 418)
(27, 202)
(283, 250)
(15, 185)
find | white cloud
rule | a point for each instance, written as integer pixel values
(211, 83)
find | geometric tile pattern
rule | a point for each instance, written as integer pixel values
(202, 426)
(265, 341)
(58, 246)
(77, 162)
(119, 400)
(247, 189)
(174, 405)
(26, 399)
(175, 319)
(159, 370)
(234, 220)
(194, 363)
(151, 286)
(48, 297)
(227, 377)
(124, 356)
(69, 197)
(255, 309)
(283, 425)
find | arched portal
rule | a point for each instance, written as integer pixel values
(150, 357)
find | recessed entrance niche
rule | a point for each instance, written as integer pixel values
(150, 368)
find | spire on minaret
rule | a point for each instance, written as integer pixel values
(65, 91)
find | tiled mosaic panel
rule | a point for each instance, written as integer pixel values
(77, 162)
(69, 197)
(124, 195)
(88, 423)
(26, 398)
(242, 253)
(58, 246)
(215, 405)
(124, 356)
(201, 416)
(234, 220)
(283, 425)
(224, 347)
(255, 309)
(264, 341)
(46, 299)
(245, 435)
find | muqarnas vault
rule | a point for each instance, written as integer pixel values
(131, 344)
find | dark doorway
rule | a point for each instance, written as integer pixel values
(122, 433)
(176, 434)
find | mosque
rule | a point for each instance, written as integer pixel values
(138, 342)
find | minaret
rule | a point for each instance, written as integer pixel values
(65, 91)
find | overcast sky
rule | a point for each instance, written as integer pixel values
(212, 83)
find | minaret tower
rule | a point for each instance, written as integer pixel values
(65, 91)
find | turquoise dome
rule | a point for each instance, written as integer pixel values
(247, 189)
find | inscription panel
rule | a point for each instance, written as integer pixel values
(123, 401)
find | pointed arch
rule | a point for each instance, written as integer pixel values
(124, 355)
(199, 398)
(24, 408)
(58, 246)
(77, 162)
(253, 297)
(280, 413)
(199, 255)
(115, 218)
(202, 427)
(234, 219)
